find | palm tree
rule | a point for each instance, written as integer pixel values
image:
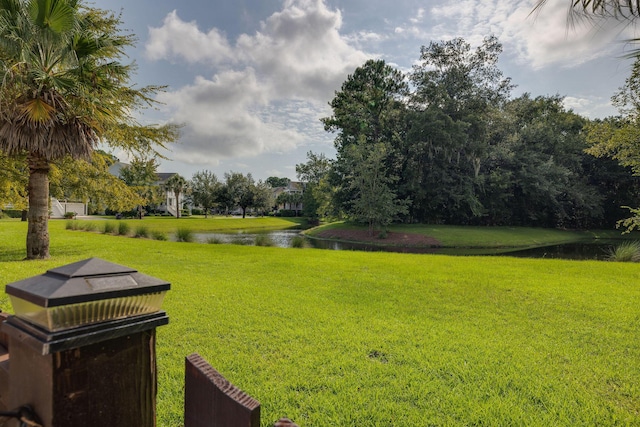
(623, 10)
(63, 90)
(178, 185)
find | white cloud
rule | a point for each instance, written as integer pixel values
(221, 118)
(591, 106)
(291, 66)
(539, 39)
(178, 39)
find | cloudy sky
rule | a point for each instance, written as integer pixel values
(250, 79)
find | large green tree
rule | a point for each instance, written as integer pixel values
(92, 183)
(375, 202)
(314, 173)
(64, 89)
(369, 109)
(141, 176)
(205, 187)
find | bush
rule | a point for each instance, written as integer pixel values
(12, 213)
(109, 227)
(214, 240)
(141, 231)
(184, 235)
(286, 213)
(70, 225)
(625, 252)
(298, 242)
(70, 215)
(159, 235)
(197, 212)
(263, 240)
(90, 226)
(123, 228)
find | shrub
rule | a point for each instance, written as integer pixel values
(141, 231)
(159, 235)
(197, 212)
(298, 242)
(70, 225)
(109, 227)
(214, 240)
(90, 226)
(123, 228)
(263, 240)
(70, 215)
(12, 213)
(625, 252)
(184, 235)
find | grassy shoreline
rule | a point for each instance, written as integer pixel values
(478, 237)
(382, 339)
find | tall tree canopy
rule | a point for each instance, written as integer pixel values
(64, 90)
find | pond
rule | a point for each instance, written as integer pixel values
(279, 238)
(597, 249)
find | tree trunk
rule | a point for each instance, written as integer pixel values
(38, 216)
(177, 194)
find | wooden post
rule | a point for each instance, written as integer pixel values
(212, 401)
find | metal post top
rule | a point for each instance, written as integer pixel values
(92, 279)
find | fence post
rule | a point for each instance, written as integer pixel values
(82, 345)
(212, 401)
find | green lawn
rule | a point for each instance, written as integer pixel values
(330, 338)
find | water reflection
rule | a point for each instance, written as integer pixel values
(279, 238)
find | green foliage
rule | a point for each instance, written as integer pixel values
(263, 240)
(123, 228)
(184, 234)
(63, 91)
(625, 252)
(275, 182)
(159, 235)
(109, 227)
(177, 185)
(205, 189)
(298, 242)
(374, 203)
(141, 231)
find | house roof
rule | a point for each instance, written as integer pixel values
(163, 176)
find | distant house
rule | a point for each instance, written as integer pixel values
(289, 197)
(168, 205)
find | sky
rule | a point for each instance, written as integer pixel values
(249, 80)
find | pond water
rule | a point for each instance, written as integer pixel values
(279, 238)
(597, 249)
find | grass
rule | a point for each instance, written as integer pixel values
(263, 240)
(625, 252)
(451, 236)
(141, 231)
(384, 339)
(184, 234)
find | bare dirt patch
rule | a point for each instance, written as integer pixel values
(393, 238)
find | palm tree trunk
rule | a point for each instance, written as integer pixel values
(38, 216)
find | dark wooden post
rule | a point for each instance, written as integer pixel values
(212, 401)
(82, 345)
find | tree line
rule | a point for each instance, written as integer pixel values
(447, 143)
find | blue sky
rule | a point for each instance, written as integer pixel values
(250, 79)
